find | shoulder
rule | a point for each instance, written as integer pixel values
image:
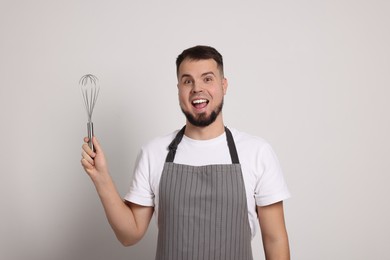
(253, 150)
(248, 141)
(158, 144)
(151, 155)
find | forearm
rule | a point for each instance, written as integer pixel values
(274, 232)
(128, 222)
(119, 215)
(276, 248)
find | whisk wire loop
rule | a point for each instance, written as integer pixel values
(90, 91)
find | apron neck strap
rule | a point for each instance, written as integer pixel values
(232, 146)
(179, 136)
(173, 145)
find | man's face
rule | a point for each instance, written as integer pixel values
(201, 90)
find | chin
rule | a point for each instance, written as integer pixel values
(202, 119)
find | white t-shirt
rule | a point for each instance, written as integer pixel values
(263, 177)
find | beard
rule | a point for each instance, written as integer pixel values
(202, 120)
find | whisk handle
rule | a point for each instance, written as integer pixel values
(90, 134)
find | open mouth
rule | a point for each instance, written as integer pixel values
(200, 103)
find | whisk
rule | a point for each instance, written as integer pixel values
(90, 91)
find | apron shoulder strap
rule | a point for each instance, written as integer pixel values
(173, 145)
(232, 146)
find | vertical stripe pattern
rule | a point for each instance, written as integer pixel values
(203, 213)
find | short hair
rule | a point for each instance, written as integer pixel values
(200, 52)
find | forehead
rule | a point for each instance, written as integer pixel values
(197, 67)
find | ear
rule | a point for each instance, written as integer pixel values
(224, 85)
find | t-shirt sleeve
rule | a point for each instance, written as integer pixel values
(270, 185)
(140, 189)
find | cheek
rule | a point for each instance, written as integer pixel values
(219, 94)
(182, 97)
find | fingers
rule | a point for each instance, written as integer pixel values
(87, 166)
(88, 149)
(87, 158)
(93, 162)
(87, 155)
(95, 143)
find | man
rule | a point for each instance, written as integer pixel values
(207, 184)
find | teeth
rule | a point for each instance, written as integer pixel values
(198, 101)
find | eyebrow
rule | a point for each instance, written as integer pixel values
(207, 73)
(203, 74)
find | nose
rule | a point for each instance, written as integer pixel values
(196, 87)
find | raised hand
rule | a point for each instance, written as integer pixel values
(94, 163)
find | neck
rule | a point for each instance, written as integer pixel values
(206, 132)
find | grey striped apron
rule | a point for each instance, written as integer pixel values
(203, 211)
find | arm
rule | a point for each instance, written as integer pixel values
(273, 231)
(129, 221)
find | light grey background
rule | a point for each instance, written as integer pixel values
(312, 77)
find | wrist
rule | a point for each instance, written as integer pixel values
(102, 180)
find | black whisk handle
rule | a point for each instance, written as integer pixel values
(90, 135)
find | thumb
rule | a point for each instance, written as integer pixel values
(96, 145)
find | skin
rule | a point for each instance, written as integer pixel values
(200, 79)
(129, 221)
(273, 231)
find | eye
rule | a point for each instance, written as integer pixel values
(187, 81)
(208, 79)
